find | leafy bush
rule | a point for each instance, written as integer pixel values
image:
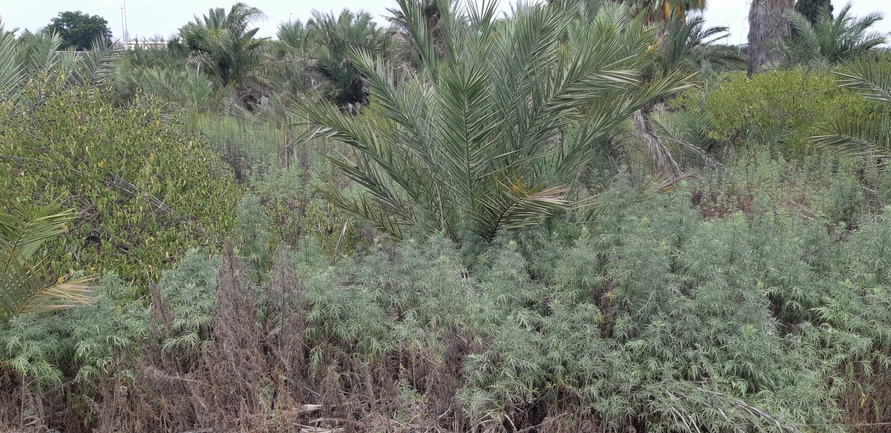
(81, 344)
(779, 109)
(144, 190)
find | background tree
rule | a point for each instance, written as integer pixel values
(221, 44)
(767, 24)
(811, 8)
(830, 41)
(79, 30)
(335, 38)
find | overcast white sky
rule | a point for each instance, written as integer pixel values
(148, 18)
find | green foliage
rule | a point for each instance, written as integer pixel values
(38, 58)
(82, 343)
(335, 39)
(284, 170)
(221, 44)
(779, 109)
(830, 41)
(252, 234)
(80, 30)
(491, 135)
(145, 191)
(811, 9)
(27, 285)
(869, 134)
(190, 289)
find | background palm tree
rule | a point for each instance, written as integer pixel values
(829, 41)
(26, 285)
(692, 47)
(34, 55)
(654, 11)
(334, 38)
(221, 45)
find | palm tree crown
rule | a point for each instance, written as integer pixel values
(830, 41)
(221, 44)
(492, 132)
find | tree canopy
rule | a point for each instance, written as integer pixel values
(811, 8)
(79, 30)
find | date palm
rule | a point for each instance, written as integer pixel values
(221, 44)
(492, 133)
(830, 41)
(334, 38)
(26, 286)
(663, 10)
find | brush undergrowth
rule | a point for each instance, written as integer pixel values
(660, 315)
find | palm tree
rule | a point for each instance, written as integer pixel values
(492, 134)
(830, 41)
(767, 25)
(25, 283)
(221, 45)
(292, 54)
(691, 47)
(869, 135)
(334, 39)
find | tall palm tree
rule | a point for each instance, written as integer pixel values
(492, 134)
(221, 44)
(25, 283)
(830, 41)
(767, 25)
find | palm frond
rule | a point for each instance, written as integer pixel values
(867, 136)
(11, 75)
(27, 285)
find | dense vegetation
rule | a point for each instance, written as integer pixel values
(583, 216)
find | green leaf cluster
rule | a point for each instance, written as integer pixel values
(26, 284)
(80, 30)
(81, 344)
(780, 109)
(144, 190)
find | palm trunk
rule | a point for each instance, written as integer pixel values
(766, 25)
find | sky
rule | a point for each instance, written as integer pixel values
(153, 18)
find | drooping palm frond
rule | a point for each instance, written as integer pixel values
(491, 131)
(96, 65)
(867, 135)
(27, 286)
